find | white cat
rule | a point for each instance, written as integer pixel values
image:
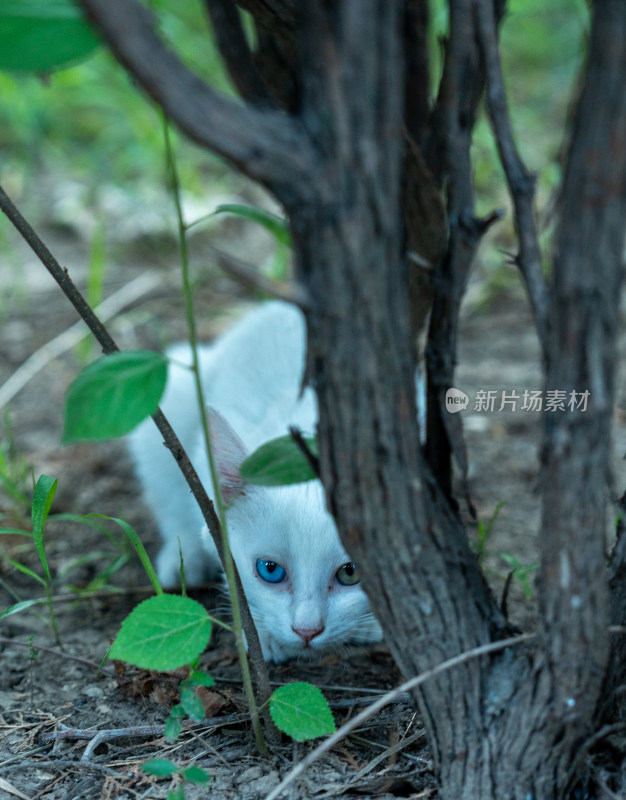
(301, 586)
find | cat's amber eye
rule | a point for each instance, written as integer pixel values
(348, 575)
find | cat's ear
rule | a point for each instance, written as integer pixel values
(229, 452)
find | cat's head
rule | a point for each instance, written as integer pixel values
(301, 586)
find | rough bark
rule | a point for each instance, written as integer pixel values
(584, 310)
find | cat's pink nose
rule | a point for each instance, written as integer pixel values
(307, 634)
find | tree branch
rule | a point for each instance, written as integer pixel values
(581, 356)
(417, 74)
(521, 183)
(248, 275)
(453, 121)
(234, 49)
(274, 15)
(277, 55)
(268, 146)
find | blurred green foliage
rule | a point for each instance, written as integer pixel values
(542, 49)
(88, 123)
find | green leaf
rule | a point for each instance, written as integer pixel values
(301, 711)
(278, 463)
(174, 724)
(113, 395)
(14, 532)
(45, 489)
(195, 775)
(200, 678)
(162, 633)
(19, 607)
(137, 544)
(161, 767)
(41, 35)
(275, 225)
(192, 704)
(26, 571)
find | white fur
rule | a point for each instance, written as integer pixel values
(252, 378)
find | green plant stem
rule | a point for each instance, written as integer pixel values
(228, 562)
(53, 619)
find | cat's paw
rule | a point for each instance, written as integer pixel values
(199, 566)
(275, 651)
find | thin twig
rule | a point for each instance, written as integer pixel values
(387, 698)
(11, 763)
(250, 276)
(140, 286)
(64, 763)
(170, 439)
(306, 451)
(365, 700)
(387, 753)
(325, 687)
(521, 183)
(66, 656)
(97, 737)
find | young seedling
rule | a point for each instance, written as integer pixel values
(164, 768)
(94, 520)
(43, 495)
(190, 704)
(169, 631)
(519, 570)
(485, 531)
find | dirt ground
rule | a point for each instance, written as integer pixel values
(48, 688)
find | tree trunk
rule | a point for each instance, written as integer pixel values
(509, 725)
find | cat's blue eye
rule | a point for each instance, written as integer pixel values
(270, 571)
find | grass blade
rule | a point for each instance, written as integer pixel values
(45, 489)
